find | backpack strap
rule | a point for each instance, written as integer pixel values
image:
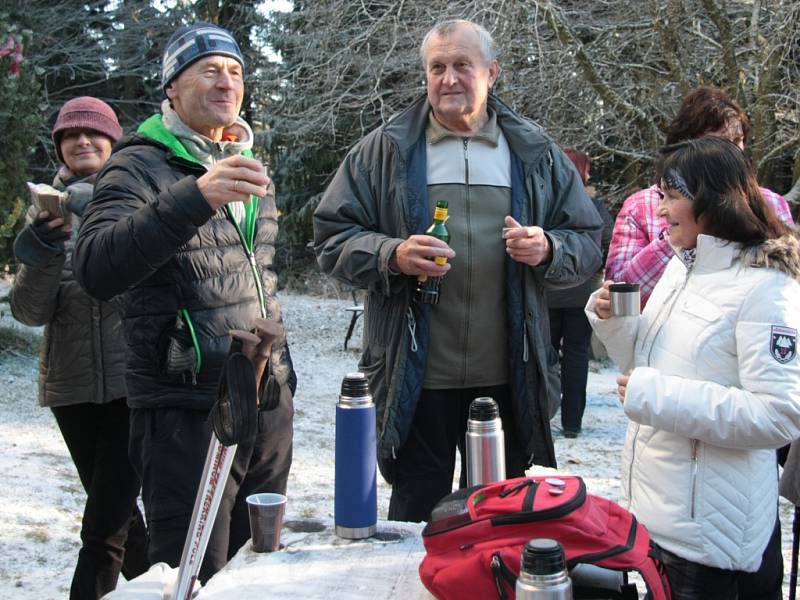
(655, 575)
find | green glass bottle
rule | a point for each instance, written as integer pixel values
(428, 287)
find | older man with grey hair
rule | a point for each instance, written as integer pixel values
(488, 334)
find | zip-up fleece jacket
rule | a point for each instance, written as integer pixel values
(82, 355)
(183, 274)
(715, 388)
(378, 198)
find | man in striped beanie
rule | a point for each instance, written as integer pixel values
(182, 232)
(193, 42)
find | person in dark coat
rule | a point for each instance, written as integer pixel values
(181, 231)
(570, 331)
(519, 223)
(82, 356)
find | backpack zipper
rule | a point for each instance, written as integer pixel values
(551, 513)
(530, 495)
(501, 574)
(516, 488)
(596, 557)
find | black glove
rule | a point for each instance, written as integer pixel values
(233, 416)
(37, 244)
(78, 196)
(55, 236)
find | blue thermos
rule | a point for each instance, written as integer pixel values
(355, 510)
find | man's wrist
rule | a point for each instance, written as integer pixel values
(549, 258)
(394, 267)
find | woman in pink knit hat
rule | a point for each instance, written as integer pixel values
(81, 363)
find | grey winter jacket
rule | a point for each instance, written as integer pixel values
(378, 198)
(82, 355)
(576, 297)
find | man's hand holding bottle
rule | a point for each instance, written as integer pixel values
(417, 254)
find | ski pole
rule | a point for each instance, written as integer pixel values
(235, 419)
(218, 463)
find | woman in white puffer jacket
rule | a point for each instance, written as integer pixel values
(711, 377)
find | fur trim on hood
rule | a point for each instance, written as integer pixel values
(781, 254)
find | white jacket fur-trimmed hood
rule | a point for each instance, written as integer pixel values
(781, 254)
(714, 389)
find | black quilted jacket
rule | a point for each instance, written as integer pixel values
(183, 274)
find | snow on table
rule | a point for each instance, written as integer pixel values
(315, 563)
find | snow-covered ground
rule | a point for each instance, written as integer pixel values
(41, 499)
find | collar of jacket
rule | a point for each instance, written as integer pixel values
(204, 149)
(65, 178)
(781, 254)
(435, 132)
(154, 130)
(525, 138)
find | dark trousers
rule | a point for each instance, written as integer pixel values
(571, 326)
(169, 447)
(425, 464)
(767, 582)
(113, 536)
(693, 581)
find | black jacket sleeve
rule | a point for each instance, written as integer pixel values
(133, 225)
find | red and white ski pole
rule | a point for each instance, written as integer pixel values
(234, 418)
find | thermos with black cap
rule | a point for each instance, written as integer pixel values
(543, 572)
(486, 455)
(355, 511)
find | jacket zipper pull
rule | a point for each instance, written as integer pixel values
(694, 476)
(524, 341)
(412, 328)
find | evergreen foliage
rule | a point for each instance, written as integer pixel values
(19, 116)
(604, 77)
(110, 49)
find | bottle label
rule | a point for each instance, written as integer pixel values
(440, 260)
(439, 213)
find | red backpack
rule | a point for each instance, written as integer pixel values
(475, 536)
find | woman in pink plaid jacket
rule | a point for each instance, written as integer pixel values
(639, 251)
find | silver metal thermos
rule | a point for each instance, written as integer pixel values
(543, 572)
(486, 454)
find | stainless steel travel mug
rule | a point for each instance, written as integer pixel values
(486, 454)
(543, 572)
(625, 299)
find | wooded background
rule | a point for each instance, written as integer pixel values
(603, 76)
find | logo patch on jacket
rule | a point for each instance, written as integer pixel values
(783, 343)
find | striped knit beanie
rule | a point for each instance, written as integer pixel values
(86, 112)
(193, 42)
